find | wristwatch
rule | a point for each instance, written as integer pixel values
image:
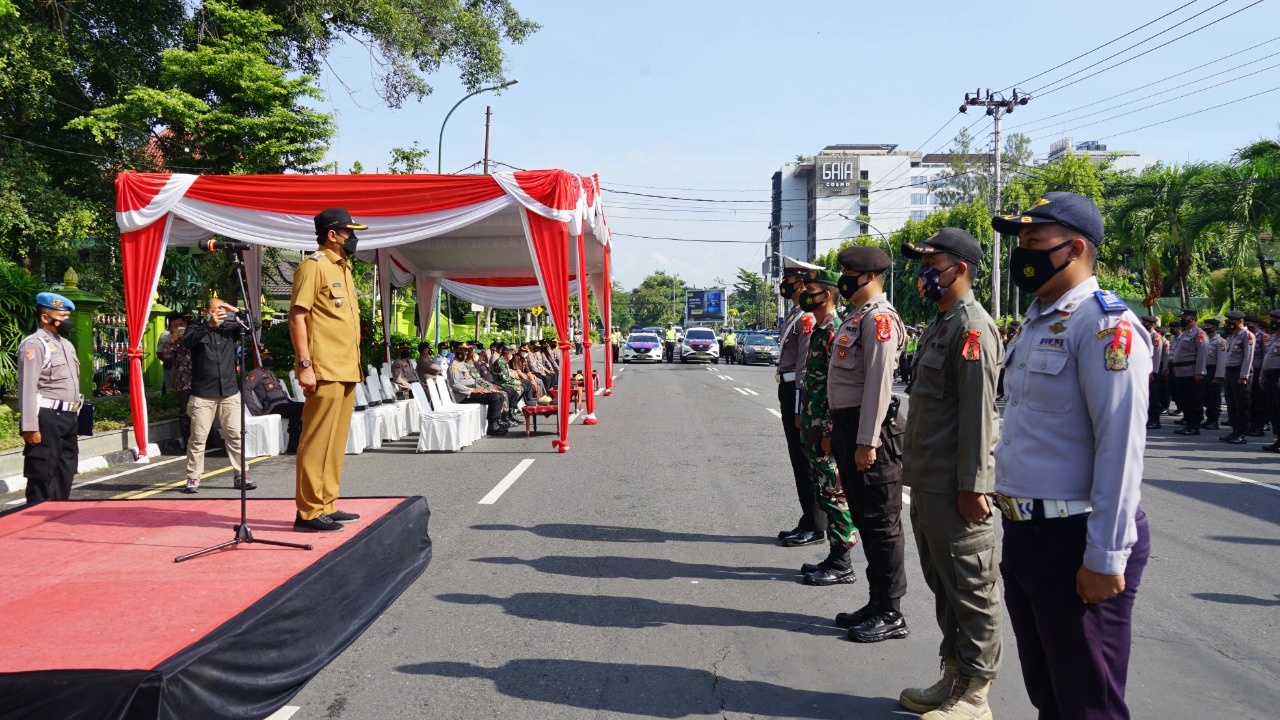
(304, 363)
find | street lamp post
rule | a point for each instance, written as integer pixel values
(893, 260)
(440, 144)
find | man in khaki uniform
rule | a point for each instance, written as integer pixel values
(49, 402)
(950, 469)
(865, 439)
(324, 325)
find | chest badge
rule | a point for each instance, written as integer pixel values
(337, 301)
(1057, 328)
(842, 353)
(844, 339)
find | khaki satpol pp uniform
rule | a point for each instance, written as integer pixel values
(323, 286)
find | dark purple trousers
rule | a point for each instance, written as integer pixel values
(1075, 657)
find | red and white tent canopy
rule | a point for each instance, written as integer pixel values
(512, 239)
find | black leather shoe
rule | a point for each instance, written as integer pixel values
(831, 576)
(884, 625)
(497, 430)
(1273, 447)
(848, 620)
(1180, 421)
(1206, 425)
(802, 538)
(792, 531)
(1187, 431)
(319, 523)
(1229, 437)
(1153, 426)
(343, 517)
(1257, 432)
(1238, 440)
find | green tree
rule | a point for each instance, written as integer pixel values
(754, 299)
(658, 300)
(406, 161)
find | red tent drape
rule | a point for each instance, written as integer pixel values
(141, 251)
(551, 249)
(606, 316)
(588, 387)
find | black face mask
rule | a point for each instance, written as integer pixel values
(1033, 268)
(62, 327)
(787, 288)
(349, 245)
(849, 285)
(930, 286)
(811, 300)
(1188, 322)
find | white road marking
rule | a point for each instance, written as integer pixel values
(740, 391)
(726, 377)
(112, 476)
(506, 482)
(283, 713)
(750, 391)
(1243, 480)
(777, 413)
(906, 496)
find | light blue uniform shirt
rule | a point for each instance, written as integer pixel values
(1074, 426)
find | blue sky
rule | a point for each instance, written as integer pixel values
(712, 97)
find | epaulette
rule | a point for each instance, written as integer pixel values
(1110, 302)
(315, 255)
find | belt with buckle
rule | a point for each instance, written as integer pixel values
(1020, 509)
(61, 405)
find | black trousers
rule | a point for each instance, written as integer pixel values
(493, 400)
(812, 518)
(1270, 378)
(1075, 657)
(875, 503)
(1237, 401)
(1190, 399)
(1258, 412)
(616, 349)
(292, 411)
(50, 465)
(1153, 402)
(1162, 379)
(669, 349)
(1212, 396)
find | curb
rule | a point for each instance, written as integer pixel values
(18, 483)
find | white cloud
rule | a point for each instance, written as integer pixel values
(661, 259)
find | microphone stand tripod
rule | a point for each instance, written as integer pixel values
(242, 532)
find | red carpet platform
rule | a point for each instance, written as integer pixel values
(100, 622)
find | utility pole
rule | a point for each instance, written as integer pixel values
(488, 113)
(997, 107)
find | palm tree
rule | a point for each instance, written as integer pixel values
(1154, 214)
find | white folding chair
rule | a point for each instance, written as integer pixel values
(408, 409)
(296, 387)
(468, 429)
(391, 416)
(370, 420)
(437, 430)
(478, 413)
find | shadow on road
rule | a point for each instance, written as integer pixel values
(1245, 540)
(608, 611)
(1233, 599)
(655, 690)
(613, 533)
(642, 568)
(1241, 498)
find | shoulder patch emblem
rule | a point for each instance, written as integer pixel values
(31, 355)
(806, 325)
(884, 327)
(1116, 354)
(1110, 302)
(1105, 332)
(972, 350)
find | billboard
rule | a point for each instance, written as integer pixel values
(704, 305)
(836, 174)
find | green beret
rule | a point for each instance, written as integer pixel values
(822, 277)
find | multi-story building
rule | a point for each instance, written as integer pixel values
(849, 190)
(1122, 160)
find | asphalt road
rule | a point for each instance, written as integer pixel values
(638, 575)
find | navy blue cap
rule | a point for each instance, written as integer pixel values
(1235, 315)
(1064, 208)
(54, 301)
(948, 240)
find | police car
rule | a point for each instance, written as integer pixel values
(700, 344)
(641, 347)
(757, 349)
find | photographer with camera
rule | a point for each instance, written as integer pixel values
(215, 391)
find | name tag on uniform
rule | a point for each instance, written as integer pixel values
(1053, 342)
(337, 284)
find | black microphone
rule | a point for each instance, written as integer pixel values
(214, 245)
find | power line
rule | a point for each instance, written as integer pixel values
(1043, 91)
(1090, 52)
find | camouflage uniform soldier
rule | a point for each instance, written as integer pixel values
(502, 377)
(815, 430)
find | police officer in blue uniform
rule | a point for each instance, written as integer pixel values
(1069, 466)
(49, 402)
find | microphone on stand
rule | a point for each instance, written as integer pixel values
(215, 245)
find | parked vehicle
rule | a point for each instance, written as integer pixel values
(758, 349)
(700, 345)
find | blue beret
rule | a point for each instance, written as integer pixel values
(54, 301)
(1064, 208)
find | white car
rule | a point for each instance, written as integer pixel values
(641, 347)
(700, 344)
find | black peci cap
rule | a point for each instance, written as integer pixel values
(1150, 320)
(1064, 208)
(949, 240)
(336, 219)
(1236, 315)
(864, 259)
(1188, 312)
(1212, 321)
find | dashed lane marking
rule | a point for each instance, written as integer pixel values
(740, 391)
(776, 413)
(506, 482)
(1242, 479)
(283, 713)
(750, 391)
